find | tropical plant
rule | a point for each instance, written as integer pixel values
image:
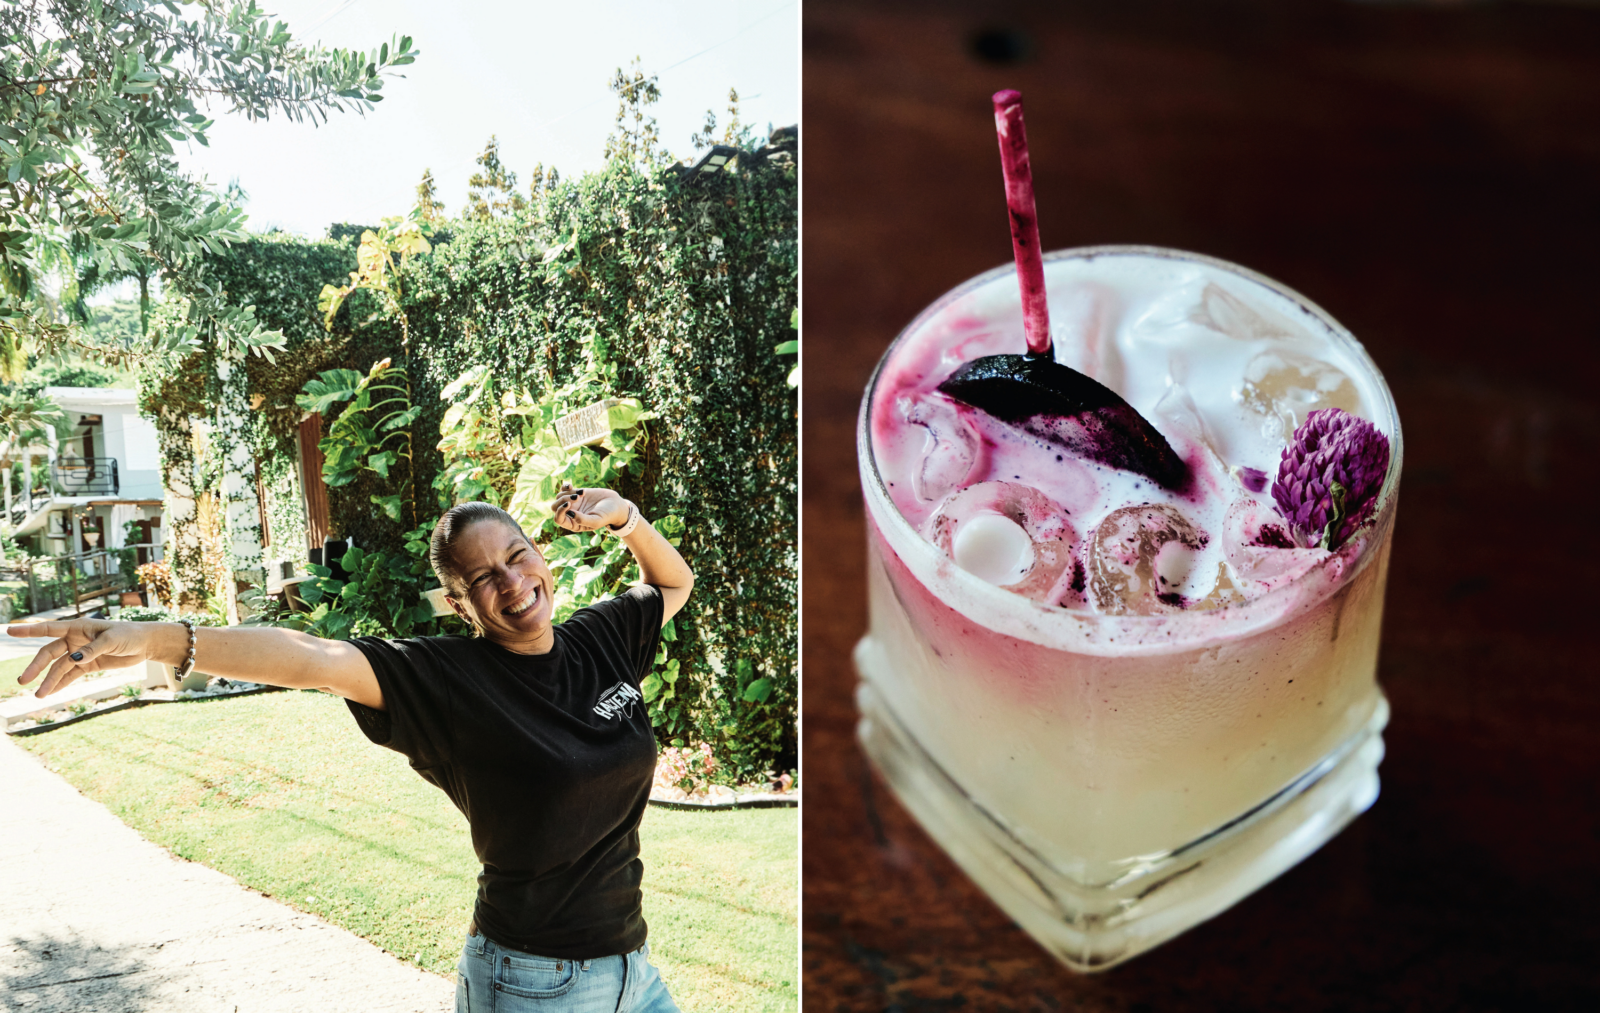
(371, 433)
(25, 417)
(492, 190)
(128, 565)
(380, 259)
(734, 133)
(792, 347)
(636, 139)
(93, 96)
(429, 207)
(382, 596)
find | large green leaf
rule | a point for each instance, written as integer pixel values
(381, 463)
(475, 375)
(650, 686)
(758, 691)
(391, 506)
(328, 389)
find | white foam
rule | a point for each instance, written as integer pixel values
(1174, 337)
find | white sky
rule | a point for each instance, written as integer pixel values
(533, 73)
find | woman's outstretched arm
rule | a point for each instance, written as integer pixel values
(276, 657)
(659, 563)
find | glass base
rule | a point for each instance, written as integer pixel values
(1092, 926)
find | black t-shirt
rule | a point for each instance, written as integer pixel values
(549, 756)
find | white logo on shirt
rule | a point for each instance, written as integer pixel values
(617, 700)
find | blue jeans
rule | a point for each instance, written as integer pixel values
(493, 979)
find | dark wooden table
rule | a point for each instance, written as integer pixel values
(1431, 176)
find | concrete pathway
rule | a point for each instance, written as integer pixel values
(19, 647)
(95, 917)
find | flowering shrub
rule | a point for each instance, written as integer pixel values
(157, 577)
(685, 767)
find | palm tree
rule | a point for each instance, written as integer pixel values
(24, 418)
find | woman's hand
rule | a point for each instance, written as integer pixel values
(589, 509)
(659, 563)
(89, 645)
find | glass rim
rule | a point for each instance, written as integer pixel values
(1085, 631)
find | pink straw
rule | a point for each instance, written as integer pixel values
(1024, 220)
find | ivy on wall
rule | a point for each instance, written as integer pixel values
(279, 275)
(675, 292)
(623, 284)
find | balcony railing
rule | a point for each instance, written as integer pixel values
(77, 476)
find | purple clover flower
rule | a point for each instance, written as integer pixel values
(1329, 477)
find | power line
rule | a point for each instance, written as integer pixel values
(331, 15)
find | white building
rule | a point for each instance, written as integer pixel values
(103, 475)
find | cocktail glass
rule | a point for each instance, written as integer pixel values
(1113, 780)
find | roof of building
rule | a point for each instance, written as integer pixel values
(92, 398)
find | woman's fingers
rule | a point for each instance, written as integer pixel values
(66, 638)
(52, 630)
(46, 656)
(63, 671)
(75, 662)
(574, 509)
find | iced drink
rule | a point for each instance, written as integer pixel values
(1122, 704)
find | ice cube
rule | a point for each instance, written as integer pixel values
(1176, 414)
(1124, 576)
(1207, 304)
(951, 449)
(1083, 317)
(1260, 550)
(1194, 336)
(1009, 534)
(1283, 387)
(1224, 312)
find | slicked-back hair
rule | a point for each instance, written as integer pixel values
(441, 547)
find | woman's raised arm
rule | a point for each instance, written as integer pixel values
(276, 657)
(659, 563)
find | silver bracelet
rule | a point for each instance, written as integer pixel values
(188, 664)
(628, 526)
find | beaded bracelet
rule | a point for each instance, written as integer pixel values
(188, 665)
(632, 522)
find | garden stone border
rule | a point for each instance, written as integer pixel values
(36, 728)
(789, 801)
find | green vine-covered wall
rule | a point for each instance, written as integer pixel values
(671, 290)
(686, 287)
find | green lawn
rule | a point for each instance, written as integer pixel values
(10, 668)
(282, 792)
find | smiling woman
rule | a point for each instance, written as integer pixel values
(535, 730)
